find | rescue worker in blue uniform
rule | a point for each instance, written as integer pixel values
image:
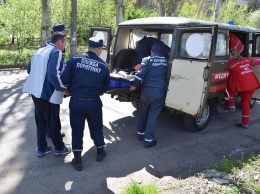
(144, 47)
(87, 77)
(152, 77)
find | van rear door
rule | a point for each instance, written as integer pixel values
(105, 34)
(256, 54)
(191, 70)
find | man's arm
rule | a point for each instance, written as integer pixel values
(106, 81)
(53, 73)
(29, 68)
(141, 72)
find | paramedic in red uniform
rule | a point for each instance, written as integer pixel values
(152, 77)
(87, 76)
(243, 81)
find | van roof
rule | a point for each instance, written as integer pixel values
(166, 22)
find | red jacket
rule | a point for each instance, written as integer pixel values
(235, 43)
(241, 76)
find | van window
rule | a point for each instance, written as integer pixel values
(257, 48)
(167, 39)
(138, 34)
(197, 45)
(221, 48)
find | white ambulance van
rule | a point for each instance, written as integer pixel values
(197, 63)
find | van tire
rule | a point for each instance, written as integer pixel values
(125, 59)
(193, 124)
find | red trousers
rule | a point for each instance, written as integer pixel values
(245, 103)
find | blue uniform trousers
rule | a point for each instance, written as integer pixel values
(47, 113)
(80, 110)
(150, 106)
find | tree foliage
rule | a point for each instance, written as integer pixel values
(192, 10)
(254, 19)
(19, 19)
(22, 19)
(231, 11)
(132, 13)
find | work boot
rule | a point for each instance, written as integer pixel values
(77, 161)
(140, 137)
(149, 144)
(101, 154)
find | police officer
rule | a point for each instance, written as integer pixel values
(152, 77)
(87, 76)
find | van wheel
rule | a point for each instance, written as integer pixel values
(252, 102)
(197, 124)
(125, 59)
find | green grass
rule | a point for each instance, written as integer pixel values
(135, 188)
(13, 57)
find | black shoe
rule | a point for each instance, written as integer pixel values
(77, 163)
(140, 137)
(101, 154)
(149, 144)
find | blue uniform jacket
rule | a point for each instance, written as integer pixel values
(152, 73)
(86, 75)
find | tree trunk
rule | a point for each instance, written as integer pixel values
(119, 11)
(177, 6)
(137, 4)
(45, 32)
(73, 34)
(161, 9)
(217, 10)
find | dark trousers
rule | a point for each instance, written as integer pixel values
(80, 110)
(47, 116)
(151, 103)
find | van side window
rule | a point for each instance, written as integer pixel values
(195, 45)
(166, 39)
(221, 47)
(257, 48)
